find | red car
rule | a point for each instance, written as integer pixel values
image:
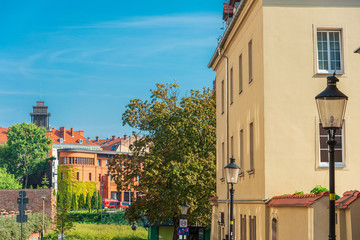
(111, 203)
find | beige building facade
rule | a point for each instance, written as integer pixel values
(271, 62)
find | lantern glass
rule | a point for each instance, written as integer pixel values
(331, 111)
(232, 174)
(184, 208)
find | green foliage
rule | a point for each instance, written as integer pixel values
(104, 232)
(8, 181)
(82, 204)
(74, 202)
(108, 218)
(10, 229)
(70, 186)
(63, 219)
(298, 193)
(45, 182)
(174, 158)
(88, 201)
(99, 200)
(319, 189)
(94, 200)
(26, 150)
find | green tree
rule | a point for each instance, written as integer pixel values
(27, 148)
(8, 181)
(45, 182)
(81, 201)
(74, 202)
(99, 200)
(94, 200)
(174, 157)
(88, 201)
(63, 219)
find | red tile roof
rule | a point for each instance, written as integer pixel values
(68, 136)
(109, 144)
(348, 198)
(300, 200)
(3, 135)
(213, 199)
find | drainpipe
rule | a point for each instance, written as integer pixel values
(227, 132)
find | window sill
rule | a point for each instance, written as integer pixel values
(250, 81)
(241, 174)
(250, 171)
(240, 92)
(222, 179)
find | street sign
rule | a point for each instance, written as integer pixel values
(183, 223)
(25, 201)
(22, 193)
(23, 219)
(183, 231)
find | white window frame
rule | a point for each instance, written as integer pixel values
(338, 28)
(342, 135)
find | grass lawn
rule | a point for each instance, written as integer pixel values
(103, 231)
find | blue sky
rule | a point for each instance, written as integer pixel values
(87, 59)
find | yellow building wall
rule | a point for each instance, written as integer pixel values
(291, 84)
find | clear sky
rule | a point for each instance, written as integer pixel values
(87, 59)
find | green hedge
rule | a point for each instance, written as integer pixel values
(108, 218)
(11, 230)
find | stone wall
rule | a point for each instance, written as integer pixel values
(8, 200)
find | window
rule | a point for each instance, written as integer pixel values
(231, 86)
(222, 165)
(77, 176)
(99, 177)
(329, 51)
(240, 74)
(89, 176)
(99, 162)
(324, 150)
(252, 227)
(232, 146)
(241, 148)
(274, 229)
(75, 160)
(222, 97)
(243, 227)
(251, 133)
(61, 176)
(250, 61)
(107, 164)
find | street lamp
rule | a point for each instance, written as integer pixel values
(232, 173)
(42, 234)
(331, 104)
(184, 208)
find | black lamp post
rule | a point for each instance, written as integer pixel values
(232, 173)
(331, 104)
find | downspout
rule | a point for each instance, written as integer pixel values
(227, 133)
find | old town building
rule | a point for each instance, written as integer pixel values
(272, 60)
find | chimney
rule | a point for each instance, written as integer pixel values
(72, 131)
(113, 137)
(97, 138)
(81, 132)
(62, 132)
(125, 136)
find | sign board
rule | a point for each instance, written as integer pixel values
(25, 201)
(23, 219)
(183, 223)
(22, 193)
(183, 231)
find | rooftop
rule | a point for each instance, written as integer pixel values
(299, 200)
(348, 198)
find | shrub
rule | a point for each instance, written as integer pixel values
(10, 229)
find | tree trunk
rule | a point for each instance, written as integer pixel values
(26, 177)
(176, 224)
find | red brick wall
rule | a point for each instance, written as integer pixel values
(8, 200)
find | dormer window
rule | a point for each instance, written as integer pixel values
(61, 140)
(80, 141)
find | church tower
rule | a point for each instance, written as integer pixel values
(40, 116)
